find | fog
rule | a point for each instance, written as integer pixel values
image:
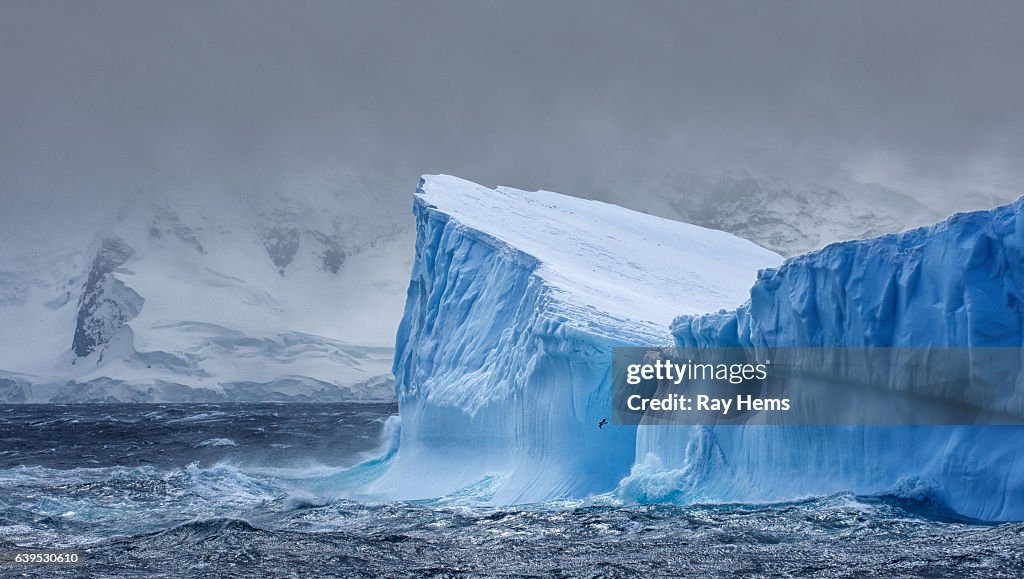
(104, 100)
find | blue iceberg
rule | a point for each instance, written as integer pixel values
(516, 300)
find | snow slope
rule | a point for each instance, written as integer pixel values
(959, 283)
(503, 354)
(226, 298)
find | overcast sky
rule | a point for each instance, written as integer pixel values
(100, 98)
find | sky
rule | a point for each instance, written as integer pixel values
(103, 100)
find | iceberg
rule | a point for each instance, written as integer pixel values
(957, 284)
(517, 299)
(503, 354)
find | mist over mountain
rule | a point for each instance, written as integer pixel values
(297, 295)
(192, 197)
(105, 99)
(786, 216)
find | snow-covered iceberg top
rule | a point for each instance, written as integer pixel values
(608, 269)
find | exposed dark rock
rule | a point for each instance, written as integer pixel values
(167, 224)
(282, 243)
(333, 256)
(106, 304)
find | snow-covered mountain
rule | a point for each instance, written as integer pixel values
(239, 298)
(787, 216)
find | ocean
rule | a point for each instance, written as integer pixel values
(259, 490)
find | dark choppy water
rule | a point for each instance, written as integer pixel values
(217, 490)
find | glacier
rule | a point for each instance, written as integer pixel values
(503, 355)
(957, 284)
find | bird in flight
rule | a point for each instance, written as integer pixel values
(602, 423)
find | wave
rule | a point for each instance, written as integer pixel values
(216, 442)
(353, 482)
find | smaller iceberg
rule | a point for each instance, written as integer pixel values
(955, 286)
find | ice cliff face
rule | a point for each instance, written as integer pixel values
(503, 353)
(956, 284)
